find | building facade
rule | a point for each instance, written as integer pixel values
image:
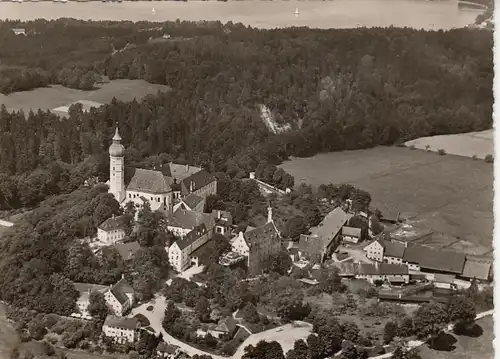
(121, 330)
(119, 297)
(162, 187)
(258, 244)
(179, 253)
(113, 229)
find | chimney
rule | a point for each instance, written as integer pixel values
(406, 244)
(218, 214)
(269, 213)
(377, 265)
(129, 253)
(191, 186)
(123, 276)
(187, 168)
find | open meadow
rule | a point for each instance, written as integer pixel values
(48, 98)
(446, 194)
(479, 144)
(480, 347)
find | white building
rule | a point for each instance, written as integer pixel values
(385, 251)
(351, 234)
(119, 297)
(83, 302)
(191, 202)
(112, 230)
(121, 330)
(223, 221)
(180, 252)
(183, 221)
(160, 187)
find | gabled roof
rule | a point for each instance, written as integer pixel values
(222, 217)
(180, 172)
(149, 181)
(227, 325)
(351, 231)
(121, 289)
(186, 219)
(167, 348)
(479, 269)
(192, 236)
(444, 278)
(199, 179)
(333, 222)
(382, 269)
(192, 200)
(259, 234)
(393, 249)
(311, 244)
(127, 250)
(114, 223)
(434, 259)
(117, 322)
(86, 287)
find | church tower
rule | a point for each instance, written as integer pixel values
(117, 168)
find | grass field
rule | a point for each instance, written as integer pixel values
(469, 144)
(446, 194)
(55, 96)
(467, 347)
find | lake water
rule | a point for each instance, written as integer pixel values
(420, 14)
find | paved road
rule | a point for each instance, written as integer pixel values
(286, 337)
(155, 318)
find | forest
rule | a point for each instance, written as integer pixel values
(338, 89)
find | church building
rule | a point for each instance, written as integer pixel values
(162, 188)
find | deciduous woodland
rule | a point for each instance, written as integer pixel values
(327, 90)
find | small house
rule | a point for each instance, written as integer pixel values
(167, 351)
(351, 234)
(113, 229)
(226, 328)
(121, 330)
(444, 281)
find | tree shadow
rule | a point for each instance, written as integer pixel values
(473, 330)
(443, 342)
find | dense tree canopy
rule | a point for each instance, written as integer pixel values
(328, 89)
